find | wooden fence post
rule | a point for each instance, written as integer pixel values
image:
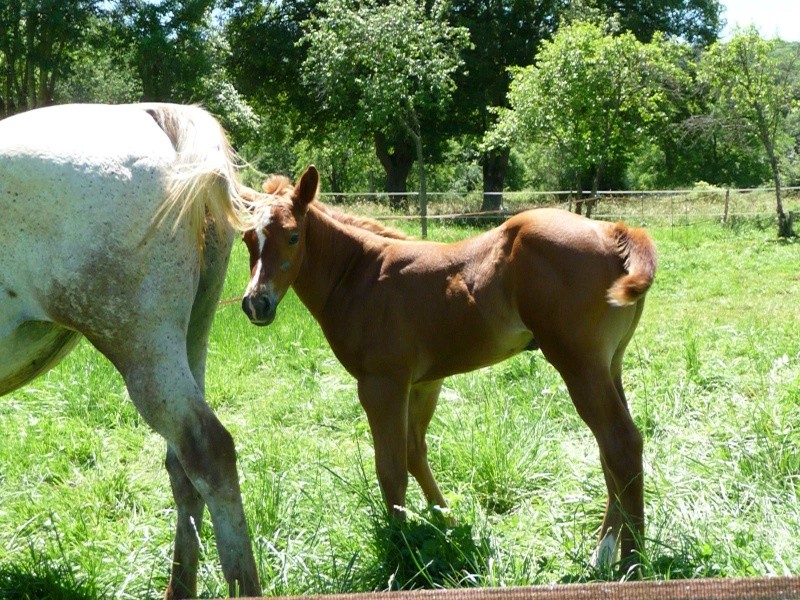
(727, 200)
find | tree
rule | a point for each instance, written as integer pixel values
(754, 90)
(685, 149)
(265, 55)
(509, 33)
(101, 70)
(383, 68)
(591, 96)
(346, 160)
(38, 39)
(169, 43)
(505, 33)
(694, 21)
(266, 66)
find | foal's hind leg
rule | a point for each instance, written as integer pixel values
(599, 404)
(616, 515)
(422, 403)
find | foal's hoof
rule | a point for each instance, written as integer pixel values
(443, 515)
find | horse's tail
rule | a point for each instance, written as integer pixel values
(202, 180)
(638, 254)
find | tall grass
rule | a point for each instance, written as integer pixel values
(712, 376)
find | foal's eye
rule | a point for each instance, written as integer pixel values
(294, 237)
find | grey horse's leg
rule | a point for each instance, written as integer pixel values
(189, 502)
(166, 394)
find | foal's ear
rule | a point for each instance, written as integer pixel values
(306, 188)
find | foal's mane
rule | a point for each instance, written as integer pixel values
(281, 186)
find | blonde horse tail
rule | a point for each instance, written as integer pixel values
(202, 183)
(638, 254)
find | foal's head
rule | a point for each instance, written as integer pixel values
(277, 244)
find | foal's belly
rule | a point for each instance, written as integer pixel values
(31, 348)
(467, 353)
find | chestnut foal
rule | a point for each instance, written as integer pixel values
(401, 315)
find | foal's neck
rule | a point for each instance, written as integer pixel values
(332, 251)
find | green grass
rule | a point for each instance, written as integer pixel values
(713, 379)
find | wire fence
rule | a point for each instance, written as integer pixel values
(652, 207)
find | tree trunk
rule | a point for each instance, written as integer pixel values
(578, 192)
(397, 163)
(31, 25)
(335, 185)
(784, 224)
(592, 200)
(495, 164)
(768, 141)
(416, 133)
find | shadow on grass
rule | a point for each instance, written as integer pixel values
(692, 560)
(38, 578)
(426, 552)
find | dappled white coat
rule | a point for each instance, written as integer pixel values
(80, 186)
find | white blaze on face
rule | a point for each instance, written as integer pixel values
(262, 239)
(251, 287)
(263, 222)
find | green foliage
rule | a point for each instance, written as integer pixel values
(38, 39)
(102, 67)
(265, 57)
(39, 578)
(345, 161)
(445, 76)
(385, 85)
(168, 43)
(428, 552)
(591, 96)
(696, 21)
(755, 88)
(382, 83)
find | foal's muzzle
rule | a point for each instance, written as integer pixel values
(259, 308)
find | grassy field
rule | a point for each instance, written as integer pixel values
(712, 376)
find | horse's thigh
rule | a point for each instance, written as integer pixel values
(209, 289)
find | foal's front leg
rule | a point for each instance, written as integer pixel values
(422, 403)
(385, 400)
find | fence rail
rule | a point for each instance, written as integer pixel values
(657, 207)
